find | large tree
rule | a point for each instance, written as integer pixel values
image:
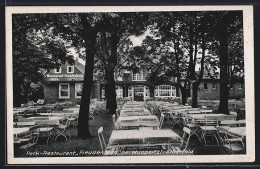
(34, 50)
(117, 28)
(55, 34)
(227, 24)
(176, 31)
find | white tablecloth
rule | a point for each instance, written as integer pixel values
(238, 131)
(52, 120)
(135, 112)
(219, 117)
(129, 121)
(19, 132)
(123, 137)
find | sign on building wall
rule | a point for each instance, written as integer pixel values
(65, 77)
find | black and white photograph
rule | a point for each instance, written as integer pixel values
(133, 84)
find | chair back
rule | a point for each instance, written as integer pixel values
(212, 120)
(101, 139)
(117, 113)
(67, 122)
(161, 120)
(187, 130)
(186, 137)
(114, 120)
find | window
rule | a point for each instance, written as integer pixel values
(214, 86)
(205, 86)
(130, 92)
(119, 92)
(139, 76)
(103, 93)
(57, 70)
(64, 90)
(165, 91)
(70, 69)
(78, 90)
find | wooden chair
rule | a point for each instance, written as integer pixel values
(31, 139)
(75, 122)
(209, 132)
(185, 137)
(63, 128)
(233, 143)
(178, 119)
(194, 127)
(91, 112)
(161, 121)
(46, 131)
(117, 113)
(211, 120)
(114, 120)
(101, 139)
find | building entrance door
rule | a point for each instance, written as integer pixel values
(139, 93)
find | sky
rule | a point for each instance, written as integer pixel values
(136, 40)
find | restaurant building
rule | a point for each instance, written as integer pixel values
(133, 86)
(65, 84)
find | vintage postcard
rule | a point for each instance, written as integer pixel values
(130, 84)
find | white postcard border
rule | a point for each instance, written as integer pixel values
(249, 88)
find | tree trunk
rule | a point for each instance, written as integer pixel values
(111, 90)
(17, 99)
(90, 41)
(183, 95)
(223, 55)
(110, 79)
(126, 90)
(151, 90)
(195, 86)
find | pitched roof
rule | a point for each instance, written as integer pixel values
(80, 66)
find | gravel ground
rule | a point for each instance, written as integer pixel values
(78, 147)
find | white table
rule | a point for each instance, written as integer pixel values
(20, 132)
(137, 121)
(24, 124)
(130, 138)
(238, 131)
(218, 117)
(64, 114)
(232, 122)
(52, 120)
(133, 112)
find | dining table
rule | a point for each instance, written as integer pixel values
(52, 120)
(232, 122)
(218, 117)
(135, 112)
(237, 131)
(137, 121)
(21, 131)
(60, 114)
(142, 138)
(24, 124)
